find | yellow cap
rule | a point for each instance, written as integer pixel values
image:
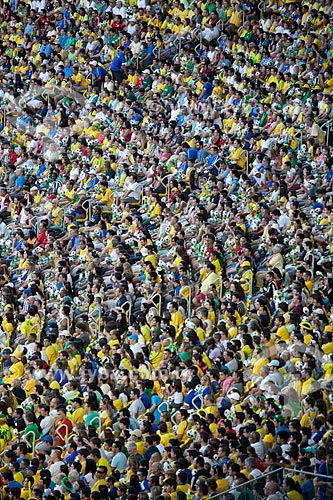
(54, 385)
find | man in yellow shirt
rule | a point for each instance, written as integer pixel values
(282, 334)
(78, 80)
(136, 437)
(17, 369)
(49, 352)
(177, 319)
(78, 413)
(307, 383)
(101, 471)
(211, 277)
(106, 196)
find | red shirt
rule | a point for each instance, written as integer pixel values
(42, 239)
(60, 431)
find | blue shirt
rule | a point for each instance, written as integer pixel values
(45, 49)
(68, 71)
(99, 71)
(28, 29)
(40, 170)
(19, 182)
(326, 471)
(156, 400)
(208, 87)
(14, 484)
(146, 400)
(192, 154)
(192, 397)
(118, 61)
(308, 490)
(71, 457)
(63, 23)
(94, 181)
(75, 243)
(213, 163)
(66, 14)
(63, 40)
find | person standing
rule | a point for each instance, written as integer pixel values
(117, 65)
(325, 484)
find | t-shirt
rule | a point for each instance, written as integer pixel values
(119, 461)
(117, 62)
(137, 408)
(181, 430)
(135, 189)
(308, 490)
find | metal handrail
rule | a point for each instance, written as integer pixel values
(99, 423)
(235, 489)
(198, 396)
(165, 181)
(188, 300)
(25, 438)
(327, 124)
(63, 438)
(159, 303)
(222, 494)
(166, 407)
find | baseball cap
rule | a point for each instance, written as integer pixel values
(47, 439)
(137, 433)
(234, 395)
(310, 449)
(134, 336)
(274, 362)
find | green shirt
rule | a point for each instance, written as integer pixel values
(211, 7)
(31, 428)
(91, 419)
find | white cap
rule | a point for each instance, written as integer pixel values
(234, 395)
(274, 362)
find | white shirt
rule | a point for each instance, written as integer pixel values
(55, 470)
(44, 76)
(260, 449)
(135, 190)
(3, 230)
(119, 11)
(47, 424)
(135, 348)
(284, 221)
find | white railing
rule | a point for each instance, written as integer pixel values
(25, 438)
(188, 300)
(60, 436)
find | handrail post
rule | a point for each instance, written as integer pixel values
(99, 323)
(99, 422)
(63, 438)
(25, 438)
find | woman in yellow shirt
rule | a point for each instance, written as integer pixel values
(292, 489)
(248, 346)
(132, 469)
(269, 429)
